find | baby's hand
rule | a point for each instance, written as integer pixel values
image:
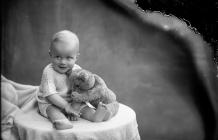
(72, 117)
(71, 113)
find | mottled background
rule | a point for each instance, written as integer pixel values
(167, 80)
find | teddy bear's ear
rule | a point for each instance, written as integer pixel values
(84, 75)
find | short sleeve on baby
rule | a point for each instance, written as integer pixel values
(47, 86)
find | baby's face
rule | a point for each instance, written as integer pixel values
(64, 56)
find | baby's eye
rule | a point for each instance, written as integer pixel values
(58, 57)
(70, 58)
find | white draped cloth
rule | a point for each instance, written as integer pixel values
(21, 120)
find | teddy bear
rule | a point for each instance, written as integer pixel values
(91, 88)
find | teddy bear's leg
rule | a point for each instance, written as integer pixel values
(88, 113)
(102, 113)
(98, 115)
(113, 108)
(58, 119)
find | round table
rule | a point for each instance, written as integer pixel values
(123, 126)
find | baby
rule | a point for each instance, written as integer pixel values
(55, 84)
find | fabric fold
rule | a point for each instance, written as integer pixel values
(15, 99)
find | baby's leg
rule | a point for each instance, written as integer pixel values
(98, 115)
(58, 119)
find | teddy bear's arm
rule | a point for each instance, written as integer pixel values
(113, 107)
(108, 96)
(79, 97)
(99, 81)
(102, 92)
(99, 88)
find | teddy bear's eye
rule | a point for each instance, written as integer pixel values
(82, 79)
(76, 86)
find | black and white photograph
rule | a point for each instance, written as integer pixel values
(109, 70)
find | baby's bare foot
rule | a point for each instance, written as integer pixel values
(62, 124)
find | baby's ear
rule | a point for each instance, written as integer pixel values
(49, 52)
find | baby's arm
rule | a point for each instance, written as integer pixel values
(57, 100)
(62, 104)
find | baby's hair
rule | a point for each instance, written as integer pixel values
(64, 35)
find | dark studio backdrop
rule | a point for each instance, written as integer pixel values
(150, 70)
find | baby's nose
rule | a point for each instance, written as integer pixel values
(63, 61)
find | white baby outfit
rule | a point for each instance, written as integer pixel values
(52, 82)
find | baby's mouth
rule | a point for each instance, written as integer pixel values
(62, 67)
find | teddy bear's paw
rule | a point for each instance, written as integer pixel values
(108, 115)
(102, 113)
